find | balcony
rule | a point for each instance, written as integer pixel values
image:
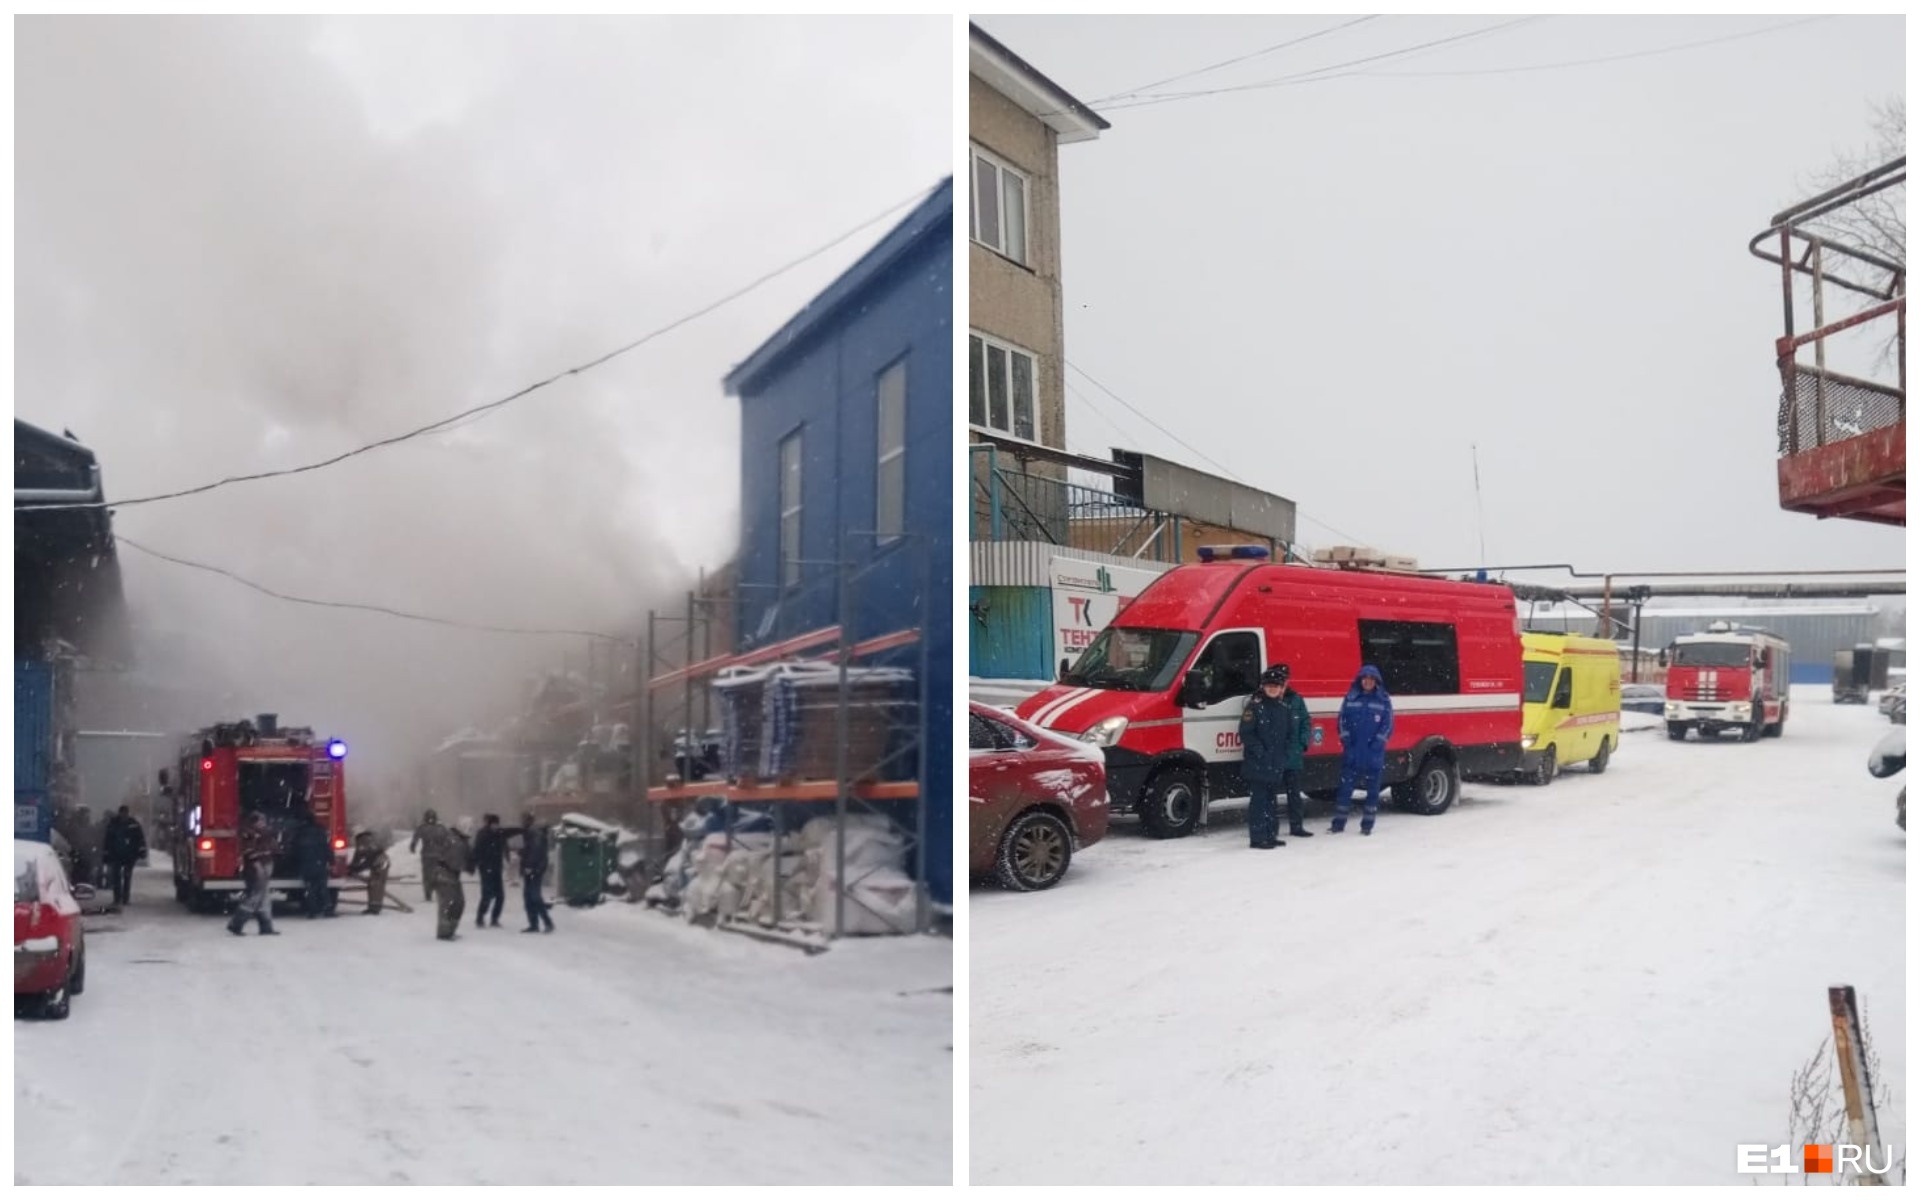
(1842, 432)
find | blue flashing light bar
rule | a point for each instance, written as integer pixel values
(1210, 553)
(336, 749)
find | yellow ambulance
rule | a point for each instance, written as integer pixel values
(1571, 709)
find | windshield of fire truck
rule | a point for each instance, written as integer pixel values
(1712, 654)
(1132, 660)
(276, 788)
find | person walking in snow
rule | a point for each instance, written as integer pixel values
(533, 869)
(125, 843)
(372, 861)
(444, 857)
(257, 852)
(489, 858)
(420, 838)
(1366, 722)
(1267, 734)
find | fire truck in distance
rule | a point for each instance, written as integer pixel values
(228, 771)
(1729, 678)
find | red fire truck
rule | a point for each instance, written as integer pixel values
(228, 771)
(1728, 678)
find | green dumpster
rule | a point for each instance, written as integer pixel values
(586, 859)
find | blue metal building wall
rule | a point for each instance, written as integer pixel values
(1010, 633)
(33, 735)
(827, 388)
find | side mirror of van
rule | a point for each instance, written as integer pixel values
(1663, 658)
(1065, 666)
(166, 780)
(1193, 691)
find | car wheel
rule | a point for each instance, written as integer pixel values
(1433, 788)
(57, 1004)
(1677, 731)
(1597, 765)
(1034, 853)
(1548, 768)
(1170, 806)
(79, 983)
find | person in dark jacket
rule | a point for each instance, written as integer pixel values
(533, 869)
(86, 837)
(125, 844)
(490, 859)
(1267, 734)
(1296, 756)
(313, 850)
(257, 852)
(1366, 722)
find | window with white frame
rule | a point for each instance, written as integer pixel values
(999, 206)
(890, 500)
(790, 509)
(1000, 385)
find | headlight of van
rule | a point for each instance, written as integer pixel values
(1526, 743)
(1105, 733)
(1673, 711)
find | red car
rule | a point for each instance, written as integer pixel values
(49, 949)
(1035, 797)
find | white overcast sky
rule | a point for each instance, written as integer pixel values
(250, 243)
(1335, 289)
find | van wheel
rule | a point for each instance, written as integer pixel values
(1677, 731)
(1548, 768)
(1433, 788)
(79, 983)
(1170, 807)
(1597, 765)
(1035, 852)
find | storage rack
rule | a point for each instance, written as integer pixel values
(677, 697)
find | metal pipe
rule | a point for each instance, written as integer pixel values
(926, 736)
(1577, 574)
(1856, 184)
(842, 728)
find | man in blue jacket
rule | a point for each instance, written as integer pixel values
(1366, 722)
(1267, 735)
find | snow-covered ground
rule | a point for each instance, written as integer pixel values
(1610, 980)
(625, 1048)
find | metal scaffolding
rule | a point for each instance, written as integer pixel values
(676, 696)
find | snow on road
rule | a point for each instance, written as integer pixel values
(1609, 980)
(625, 1048)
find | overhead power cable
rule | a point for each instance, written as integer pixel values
(492, 405)
(1587, 62)
(1273, 49)
(1326, 72)
(378, 609)
(1204, 456)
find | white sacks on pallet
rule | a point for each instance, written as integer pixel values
(881, 897)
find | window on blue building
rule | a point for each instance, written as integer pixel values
(790, 509)
(890, 502)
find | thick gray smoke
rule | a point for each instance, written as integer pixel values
(232, 254)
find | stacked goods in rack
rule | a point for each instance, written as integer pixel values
(783, 721)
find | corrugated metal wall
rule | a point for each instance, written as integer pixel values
(1010, 632)
(32, 749)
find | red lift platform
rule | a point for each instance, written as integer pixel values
(1843, 404)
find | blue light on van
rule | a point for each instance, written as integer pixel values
(336, 749)
(1211, 553)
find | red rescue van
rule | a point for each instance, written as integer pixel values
(1161, 689)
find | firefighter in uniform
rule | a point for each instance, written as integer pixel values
(257, 851)
(444, 857)
(420, 837)
(370, 860)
